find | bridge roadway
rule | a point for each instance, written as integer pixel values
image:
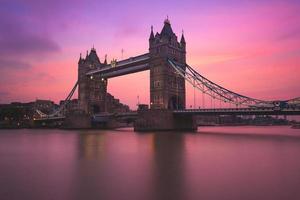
(239, 111)
(219, 111)
(104, 117)
(54, 118)
(123, 67)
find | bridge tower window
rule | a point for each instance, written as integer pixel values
(156, 84)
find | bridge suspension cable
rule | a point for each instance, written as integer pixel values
(212, 89)
(62, 107)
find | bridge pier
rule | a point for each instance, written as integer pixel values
(77, 120)
(163, 120)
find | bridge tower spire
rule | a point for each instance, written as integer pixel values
(105, 61)
(151, 38)
(167, 88)
(182, 40)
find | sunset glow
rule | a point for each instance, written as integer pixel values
(251, 47)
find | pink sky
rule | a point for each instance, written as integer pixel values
(252, 48)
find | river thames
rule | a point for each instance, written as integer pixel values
(214, 163)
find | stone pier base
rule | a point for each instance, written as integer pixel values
(163, 120)
(77, 120)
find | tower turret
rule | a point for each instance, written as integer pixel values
(167, 30)
(93, 58)
(151, 38)
(80, 59)
(183, 43)
(182, 40)
(87, 54)
(105, 61)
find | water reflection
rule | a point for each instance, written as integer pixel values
(216, 163)
(91, 145)
(241, 166)
(113, 166)
(36, 164)
(168, 165)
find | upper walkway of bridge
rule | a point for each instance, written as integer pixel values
(123, 67)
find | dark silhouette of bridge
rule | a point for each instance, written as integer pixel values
(169, 72)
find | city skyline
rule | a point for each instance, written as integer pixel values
(228, 43)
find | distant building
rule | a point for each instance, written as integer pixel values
(70, 106)
(114, 105)
(17, 114)
(111, 105)
(45, 106)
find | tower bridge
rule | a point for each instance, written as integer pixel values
(166, 61)
(167, 89)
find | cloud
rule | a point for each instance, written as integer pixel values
(9, 64)
(3, 94)
(43, 77)
(289, 35)
(241, 39)
(16, 43)
(21, 40)
(17, 40)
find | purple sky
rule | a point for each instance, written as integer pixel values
(251, 47)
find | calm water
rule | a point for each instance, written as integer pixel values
(214, 163)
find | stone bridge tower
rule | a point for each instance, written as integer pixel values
(167, 88)
(91, 89)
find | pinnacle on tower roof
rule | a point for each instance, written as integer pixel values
(80, 58)
(151, 34)
(182, 40)
(93, 56)
(105, 61)
(167, 29)
(93, 49)
(167, 20)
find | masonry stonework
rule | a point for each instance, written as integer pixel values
(91, 89)
(167, 88)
